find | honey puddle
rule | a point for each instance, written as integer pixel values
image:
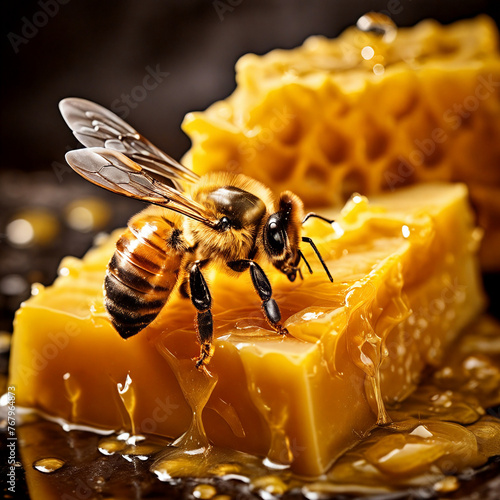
(440, 430)
(432, 441)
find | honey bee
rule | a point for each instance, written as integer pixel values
(222, 219)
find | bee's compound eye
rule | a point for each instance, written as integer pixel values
(275, 236)
(277, 240)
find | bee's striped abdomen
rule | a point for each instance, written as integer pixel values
(144, 269)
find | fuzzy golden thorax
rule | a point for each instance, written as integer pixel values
(245, 202)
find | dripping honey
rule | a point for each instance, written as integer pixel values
(268, 400)
(427, 441)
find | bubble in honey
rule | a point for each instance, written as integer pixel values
(48, 465)
(63, 271)
(204, 491)
(378, 23)
(36, 288)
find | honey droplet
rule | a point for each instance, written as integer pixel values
(130, 445)
(111, 445)
(48, 465)
(449, 483)
(204, 491)
(271, 484)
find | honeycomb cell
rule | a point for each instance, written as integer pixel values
(289, 132)
(398, 172)
(315, 177)
(277, 166)
(354, 182)
(333, 144)
(377, 142)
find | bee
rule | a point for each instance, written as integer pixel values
(223, 219)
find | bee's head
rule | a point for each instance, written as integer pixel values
(281, 235)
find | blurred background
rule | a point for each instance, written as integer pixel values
(149, 61)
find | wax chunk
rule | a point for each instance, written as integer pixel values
(325, 119)
(405, 283)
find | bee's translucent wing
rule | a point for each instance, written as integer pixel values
(95, 126)
(116, 172)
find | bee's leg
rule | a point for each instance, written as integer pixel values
(263, 288)
(202, 300)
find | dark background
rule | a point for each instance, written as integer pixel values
(100, 49)
(103, 50)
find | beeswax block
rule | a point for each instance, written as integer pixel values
(405, 283)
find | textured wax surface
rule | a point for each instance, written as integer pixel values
(324, 122)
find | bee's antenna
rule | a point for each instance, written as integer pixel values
(305, 239)
(307, 263)
(312, 214)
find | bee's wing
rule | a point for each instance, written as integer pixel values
(116, 172)
(95, 126)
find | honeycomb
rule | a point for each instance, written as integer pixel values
(365, 113)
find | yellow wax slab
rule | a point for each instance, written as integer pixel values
(405, 283)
